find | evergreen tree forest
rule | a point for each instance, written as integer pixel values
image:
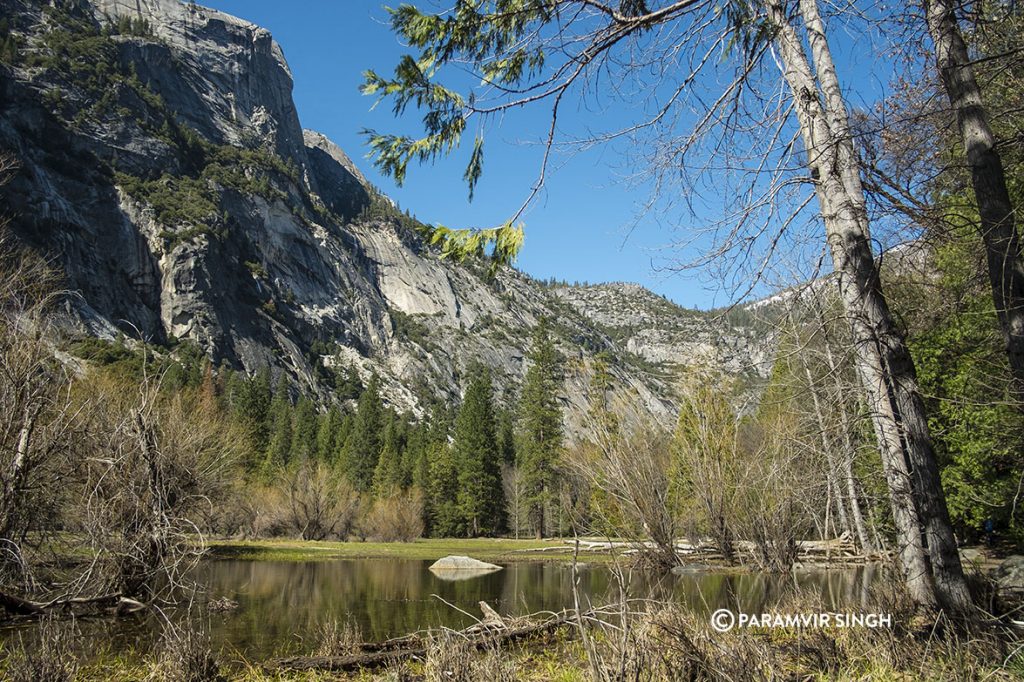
(353, 460)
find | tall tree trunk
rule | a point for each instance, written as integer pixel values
(931, 565)
(998, 230)
(827, 449)
(848, 452)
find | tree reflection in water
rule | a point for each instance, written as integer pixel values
(282, 604)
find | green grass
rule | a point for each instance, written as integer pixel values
(485, 549)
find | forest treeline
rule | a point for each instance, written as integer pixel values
(356, 467)
(801, 464)
(249, 455)
(130, 453)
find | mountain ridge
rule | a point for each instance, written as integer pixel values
(166, 171)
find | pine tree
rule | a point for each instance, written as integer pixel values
(443, 492)
(304, 431)
(252, 406)
(345, 428)
(414, 458)
(279, 448)
(540, 417)
(506, 437)
(387, 477)
(327, 434)
(475, 451)
(362, 449)
(438, 475)
(347, 383)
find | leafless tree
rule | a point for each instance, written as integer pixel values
(155, 460)
(37, 415)
(738, 119)
(930, 560)
(779, 492)
(626, 463)
(823, 382)
(512, 482)
(320, 502)
(397, 517)
(708, 467)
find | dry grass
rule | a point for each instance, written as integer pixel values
(184, 655)
(46, 659)
(338, 639)
(667, 643)
(452, 658)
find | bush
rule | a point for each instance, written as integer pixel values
(398, 518)
(310, 502)
(320, 504)
(152, 463)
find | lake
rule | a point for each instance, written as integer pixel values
(281, 604)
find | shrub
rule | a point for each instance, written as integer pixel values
(154, 461)
(398, 518)
(319, 503)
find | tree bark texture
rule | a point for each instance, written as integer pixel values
(927, 547)
(998, 226)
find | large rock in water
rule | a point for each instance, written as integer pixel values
(463, 563)
(461, 568)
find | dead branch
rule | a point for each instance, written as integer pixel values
(480, 636)
(116, 604)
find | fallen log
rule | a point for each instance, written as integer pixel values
(18, 606)
(478, 636)
(114, 603)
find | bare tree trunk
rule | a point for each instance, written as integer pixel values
(14, 489)
(835, 491)
(910, 546)
(14, 480)
(998, 229)
(849, 451)
(932, 572)
(858, 517)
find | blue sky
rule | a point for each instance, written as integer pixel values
(585, 225)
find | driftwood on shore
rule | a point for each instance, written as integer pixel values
(839, 550)
(106, 603)
(490, 632)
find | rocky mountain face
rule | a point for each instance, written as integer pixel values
(164, 169)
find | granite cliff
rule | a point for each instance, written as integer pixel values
(164, 169)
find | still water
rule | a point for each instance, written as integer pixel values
(281, 605)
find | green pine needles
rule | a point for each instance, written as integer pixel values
(491, 36)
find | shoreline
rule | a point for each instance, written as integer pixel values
(502, 550)
(425, 549)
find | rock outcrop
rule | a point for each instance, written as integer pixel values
(164, 169)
